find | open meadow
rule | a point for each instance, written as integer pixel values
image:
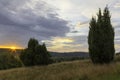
(72, 70)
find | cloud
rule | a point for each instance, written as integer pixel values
(67, 44)
(62, 24)
(59, 44)
(117, 46)
(117, 4)
(20, 20)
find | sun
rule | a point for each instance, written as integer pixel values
(13, 48)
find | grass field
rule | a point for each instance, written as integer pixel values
(74, 70)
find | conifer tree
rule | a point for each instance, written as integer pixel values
(35, 54)
(101, 38)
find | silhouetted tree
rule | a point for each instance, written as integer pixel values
(27, 57)
(45, 49)
(32, 44)
(101, 38)
(42, 55)
(35, 54)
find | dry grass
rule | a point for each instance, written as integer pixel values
(75, 70)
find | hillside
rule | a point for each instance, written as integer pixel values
(70, 54)
(75, 70)
(53, 54)
(7, 50)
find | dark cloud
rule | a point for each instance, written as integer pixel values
(20, 20)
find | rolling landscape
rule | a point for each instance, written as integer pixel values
(53, 54)
(78, 69)
(59, 40)
(73, 70)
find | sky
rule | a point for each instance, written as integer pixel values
(62, 24)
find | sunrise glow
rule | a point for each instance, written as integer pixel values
(13, 48)
(10, 47)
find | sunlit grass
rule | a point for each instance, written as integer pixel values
(75, 70)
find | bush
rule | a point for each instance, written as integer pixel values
(8, 61)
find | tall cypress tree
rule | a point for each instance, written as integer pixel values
(101, 38)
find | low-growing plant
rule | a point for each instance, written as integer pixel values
(7, 61)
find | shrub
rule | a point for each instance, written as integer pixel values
(8, 61)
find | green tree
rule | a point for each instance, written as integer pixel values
(45, 49)
(42, 55)
(27, 57)
(101, 38)
(35, 54)
(32, 44)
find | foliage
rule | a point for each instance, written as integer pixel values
(35, 54)
(8, 61)
(32, 44)
(27, 57)
(42, 56)
(101, 38)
